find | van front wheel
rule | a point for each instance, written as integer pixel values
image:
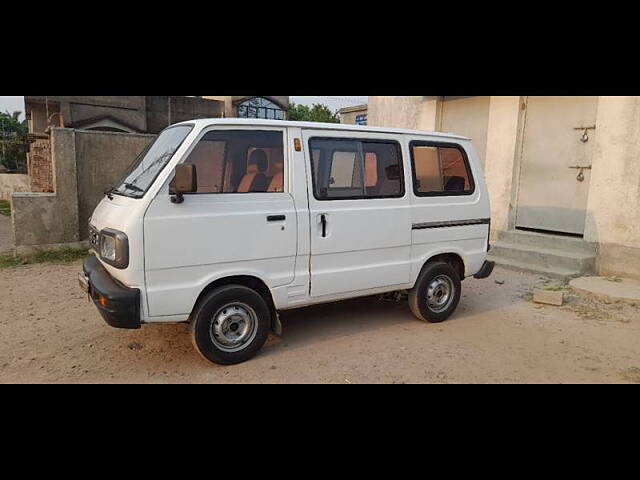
(230, 324)
(436, 293)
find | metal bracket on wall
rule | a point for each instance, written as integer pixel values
(585, 136)
(580, 176)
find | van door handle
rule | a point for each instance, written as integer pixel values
(275, 218)
(323, 222)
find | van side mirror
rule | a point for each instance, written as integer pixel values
(184, 181)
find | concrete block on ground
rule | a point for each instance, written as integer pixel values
(548, 297)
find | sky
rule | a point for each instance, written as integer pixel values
(12, 104)
(334, 103)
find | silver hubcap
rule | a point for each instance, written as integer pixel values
(233, 326)
(439, 293)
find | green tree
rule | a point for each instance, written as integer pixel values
(13, 141)
(317, 113)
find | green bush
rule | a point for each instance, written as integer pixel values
(5, 208)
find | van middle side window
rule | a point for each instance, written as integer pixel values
(356, 169)
(239, 161)
(440, 169)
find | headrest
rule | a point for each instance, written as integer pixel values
(259, 158)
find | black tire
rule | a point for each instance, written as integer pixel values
(433, 274)
(219, 303)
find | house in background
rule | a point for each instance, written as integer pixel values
(126, 114)
(273, 108)
(563, 174)
(356, 115)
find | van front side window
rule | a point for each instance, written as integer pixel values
(239, 161)
(151, 161)
(440, 170)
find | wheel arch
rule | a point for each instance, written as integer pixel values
(452, 258)
(249, 281)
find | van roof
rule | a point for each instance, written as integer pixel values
(316, 126)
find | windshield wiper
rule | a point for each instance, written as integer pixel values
(109, 192)
(133, 187)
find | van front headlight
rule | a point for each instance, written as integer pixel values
(114, 247)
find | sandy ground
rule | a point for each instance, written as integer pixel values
(50, 333)
(6, 240)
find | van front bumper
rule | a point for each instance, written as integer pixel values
(118, 305)
(485, 270)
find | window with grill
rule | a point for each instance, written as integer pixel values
(260, 107)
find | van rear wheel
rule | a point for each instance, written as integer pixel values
(436, 293)
(230, 324)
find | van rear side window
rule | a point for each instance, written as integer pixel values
(352, 169)
(440, 169)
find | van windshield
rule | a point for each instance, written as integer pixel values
(151, 161)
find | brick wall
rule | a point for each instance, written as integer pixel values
(39, 165)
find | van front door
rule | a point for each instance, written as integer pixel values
(359, 212)
(241, 221)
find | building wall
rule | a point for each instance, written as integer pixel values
(468, 116)
(39, 167)
(159, 116)
(149, 114)
(130, 110)
(403, 112)
(349, 117)
(13, 182)
(613, 210)
(501, 168)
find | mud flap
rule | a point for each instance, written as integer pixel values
(276, 326)
(485, 271)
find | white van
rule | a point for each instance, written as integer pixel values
(225, 222)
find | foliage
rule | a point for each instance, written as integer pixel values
(13, 141)
(317, 113)
(62, 255)
(5, 208)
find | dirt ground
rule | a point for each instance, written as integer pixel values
(50, 333)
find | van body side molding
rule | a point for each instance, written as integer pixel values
(451, 223)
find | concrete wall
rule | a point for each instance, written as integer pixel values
(403, 112)
(613, 209)
(50, 218)
(84, 164)
(101, 160)
(501, 168)
(468, 116)
(12, 182)
(131, 110)
(182, 108)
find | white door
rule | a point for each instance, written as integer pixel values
(242, 221)
(557, 146)
(359, 212)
